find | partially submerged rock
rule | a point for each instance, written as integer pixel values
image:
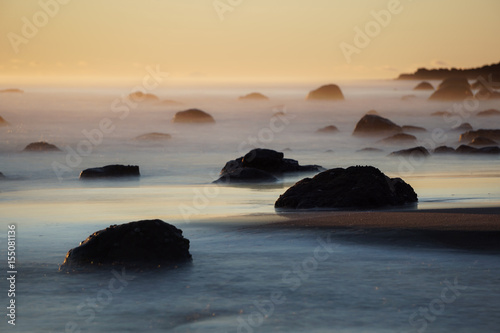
(141, 244)
(370, 150)
(12, 91)
(463, 127)
(41, 146)
(264, 166)
(375, 125)
(194, 116)
(464, 149)
(444, 150)
(482, 141)
(139, 96)
(330, 92)
(357, 187)
(441, 114)
(400, 138)
(328, 129)
(3, 122)
(2, 176)
(488, 113)
(452, 89)
(154, 136)
(254, 97)
(111, 171)
(413, 129)
(413, 152)
(424, 86)
(492, 134)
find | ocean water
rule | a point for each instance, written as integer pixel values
(243, 278)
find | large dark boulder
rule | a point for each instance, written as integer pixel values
(193, 116)
(254, 97)
(424, 86)
(141, 244)
(492, 134)
(414, 152)
(41, 146)
(111, 171)
(330, 92)
(372, 124)
(357, 187)
(444, 150)
(463, 127)
(260, 165)
(452, 89)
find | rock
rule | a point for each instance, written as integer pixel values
(357, 187)
(328, 129)
(154, 136)
(246, 175)
(492, 134)
(111, 171)
(486, 94)
(139, 96)
(141, 244)
(478, 85)
(3, 122)
(464, 149)
(193, 116)
(452, 89)
(488, 113)
(330, 92)
(269, 161)
(373, 112)
(254, 97)
(413, 129)
(424, 86)
(375, 125)
(170, 102)
(414, 152)
(370, 150)
(400, 138)
(463, 127)
(2, 176)
(12, 91)
(441, 114)
(482, 141)
(40, 146)
(444, 150)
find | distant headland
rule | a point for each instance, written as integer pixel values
(443, 73)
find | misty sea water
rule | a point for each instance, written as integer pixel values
(243, 278)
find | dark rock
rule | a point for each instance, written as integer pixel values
(370, 150)
(463, 127)
(139, 96)
(482, 141)
(269, 161)
(375, 125)
(399, 138)
(488, 113)
(154, 136)
(486, 94)
(328, 92)
(254, 97)
(492, 134)
(193, 116)
(451, 89)
(424, 86)
(3, 122)
(111, 171)
(328, 129)
(246, 175)
(444, 150)
(414, 152)
(12, 90)
(2, 176)
(357, 187)
(441, 114)
(464, 149)
(141, 244)
(41, 146)
(413, 129)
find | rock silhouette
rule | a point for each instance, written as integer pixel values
(329, 92)
(482, 141)
(488, 113)
(41, 146)
(424, 86)
(140, 244)
(357, 187)
(492, 134)
(193, 116)
(3, 122)
(111, 171)
(328, 129)
(254, 97)
(139, 96)
(371, 124)
(400, 138)
(413, 129)
(414, 152)
(12, 91)
(154, 136)
(452, 89)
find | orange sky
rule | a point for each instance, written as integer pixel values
(251, 40)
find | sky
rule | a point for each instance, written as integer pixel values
(81, 41)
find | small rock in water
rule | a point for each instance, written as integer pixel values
(40, 147)
(111, 171)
